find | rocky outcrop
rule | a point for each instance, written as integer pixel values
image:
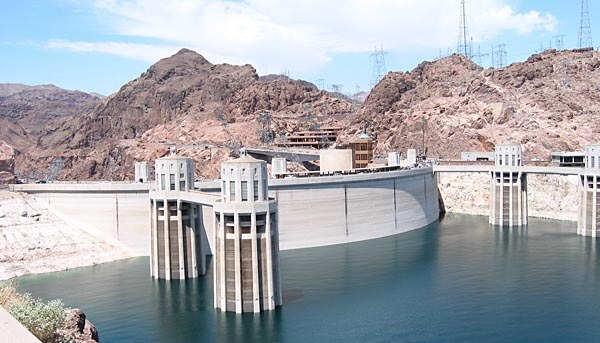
(183, 100)
(549, 102)
(28, 112)
(546, 103)
(7, 163)
(76, 328)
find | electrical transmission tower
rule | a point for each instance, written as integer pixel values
(379, 69)
(464, 46)
(232, 143)
(337, 88)
(266, 133)
(56, 167)
(585, 28)
(559, 42)
(477, 57)
(499, 56)
(321, 84)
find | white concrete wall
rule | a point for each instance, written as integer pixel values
(97, 212)
(351, 210)
(311, 211)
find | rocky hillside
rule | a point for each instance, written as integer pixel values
(27, 112)
(7, 163)
(548, 103)
(202, 107)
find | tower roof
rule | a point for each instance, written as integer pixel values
(244, 158)
(174, 157)
(362, 137)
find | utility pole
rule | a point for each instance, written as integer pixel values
(585, 28)
(464, 46)
(379, 69)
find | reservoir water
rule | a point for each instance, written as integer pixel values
(455, 281)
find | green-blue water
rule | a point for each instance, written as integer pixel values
(456, 281)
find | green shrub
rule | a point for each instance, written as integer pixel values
(41, 318)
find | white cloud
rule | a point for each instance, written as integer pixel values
(143, 52)
(277, 34)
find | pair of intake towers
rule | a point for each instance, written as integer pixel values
(245, 232)
(508, 201)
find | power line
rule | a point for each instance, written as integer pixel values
(464, 46)
(585, 28)
(379, 69)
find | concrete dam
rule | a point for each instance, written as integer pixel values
(312, 212)
(243, 220)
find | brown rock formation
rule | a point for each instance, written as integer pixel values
(76, 328)
(7, 163)
(183, 100)
(27, 112)
(549, 102)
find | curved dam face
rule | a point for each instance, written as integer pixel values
(342, 209)
(312, 212)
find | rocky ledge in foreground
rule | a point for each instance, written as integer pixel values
(76, 328)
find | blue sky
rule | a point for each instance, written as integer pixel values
(99, 45)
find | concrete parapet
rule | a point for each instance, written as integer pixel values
(13, 331)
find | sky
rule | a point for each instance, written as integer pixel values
(99, 45)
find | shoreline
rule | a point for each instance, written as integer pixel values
(34, 239)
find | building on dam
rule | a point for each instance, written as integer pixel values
(176, 238)
(246, 239)
(142, 172)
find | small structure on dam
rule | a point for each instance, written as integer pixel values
(508, 203)
(176, 240)
(142, 172)
(589, 208)
(246, 239)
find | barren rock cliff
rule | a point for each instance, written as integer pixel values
(549, 102)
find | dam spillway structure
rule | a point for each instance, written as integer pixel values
(508, 203)
(246, 239)
(589, 208)
(175, 240)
